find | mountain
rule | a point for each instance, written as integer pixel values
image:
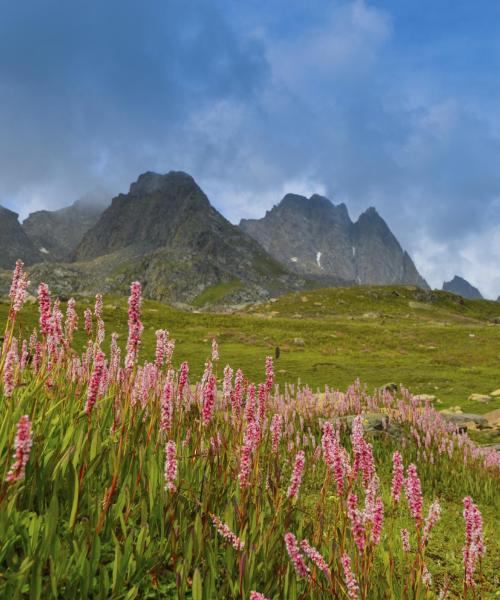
(14, 243)
(313, 237)
(463, 288)
(166, 234)
(56, 234)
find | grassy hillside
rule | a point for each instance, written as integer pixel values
(432, 342)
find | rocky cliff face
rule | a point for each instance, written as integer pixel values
(166, 234)
(14, 243)
(463, 288)
(56, 234)
(316, 238)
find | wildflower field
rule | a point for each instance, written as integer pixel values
(128, 474)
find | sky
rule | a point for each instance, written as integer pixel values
(386, 103)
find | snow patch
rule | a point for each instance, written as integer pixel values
(318, 259)
(354, 251)
(44, 250)
(294, 259)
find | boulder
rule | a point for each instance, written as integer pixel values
(375, 423)
(493, 418)
(389, 387)
(298, 341)
(483, 398)
(425, 398)
(464, 421)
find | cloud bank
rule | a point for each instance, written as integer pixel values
(370, 103)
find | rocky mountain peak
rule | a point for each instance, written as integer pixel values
(460, 286)
(316, 238)
(57, 233)
(14, 243)
(151, 182)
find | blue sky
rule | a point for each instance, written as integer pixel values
(390, 103)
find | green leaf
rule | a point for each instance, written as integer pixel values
(197, 589)
(76, 493)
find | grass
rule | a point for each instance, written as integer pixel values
(379, 334)
(92, 517)
(216, 293)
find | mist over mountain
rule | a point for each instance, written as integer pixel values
(14, 242)
(57, 233)
(165, 233)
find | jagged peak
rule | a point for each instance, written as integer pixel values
(150, 181)
(7, 213)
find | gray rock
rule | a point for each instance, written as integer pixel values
(466, 420)
(483, 398)
(56, 234)
(389, 387)
(316, 238)
(461, 287)
(14, 243)
(166, 234)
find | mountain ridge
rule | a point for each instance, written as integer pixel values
(461, 287)
(314, 236)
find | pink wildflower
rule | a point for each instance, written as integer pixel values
(209, 395)
(405, 539)
(21, 293)
(378, 519)
(215, 351)
(161, 341)
(227, 384)
(397, 477)
(355, 517)
(87, 315)
(298, 470)
(95, 381)
(71, 322)
(261, 403)
(245, 464)
(16, 276)
(332, 455)
(315, 557)
(183, 379)
(414, 493)
(426, 577)
(237, 396)
(269, 373)
(292, 547)
(9, 371)
(44, 307)
(432, 518)
(350, 579)
(135, 326)
(22, 447)
(227, 534)
(167, 406)
(98, 306)
(257, 596)
(250, 404)
(474, 541)
(276, 422)
(170, 466)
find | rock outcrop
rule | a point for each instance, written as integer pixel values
(14, 243)
(461, 287)
(314, 237)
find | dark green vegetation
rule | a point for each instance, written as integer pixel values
(432, 342)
